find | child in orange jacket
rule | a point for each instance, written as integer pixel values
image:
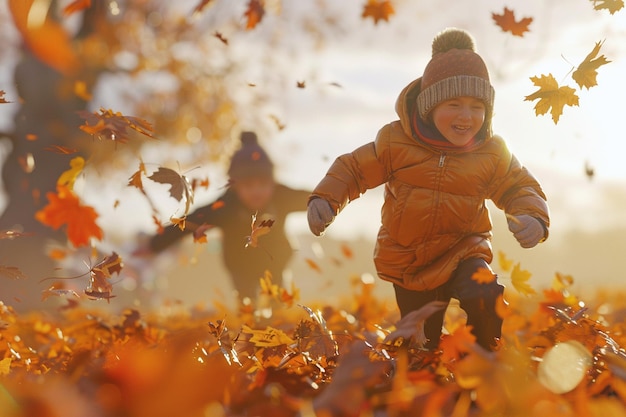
(440, 162)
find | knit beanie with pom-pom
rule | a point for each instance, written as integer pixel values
(455, 70)
(250, 160)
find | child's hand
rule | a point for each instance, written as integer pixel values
(527, 230)
(320, 214)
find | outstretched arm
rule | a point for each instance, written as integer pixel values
(518, 193)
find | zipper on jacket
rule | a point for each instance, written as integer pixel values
(442, 159)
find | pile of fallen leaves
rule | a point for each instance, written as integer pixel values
(558, 356)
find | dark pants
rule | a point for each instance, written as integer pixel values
(478, 301)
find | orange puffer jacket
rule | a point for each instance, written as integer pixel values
(434, 213)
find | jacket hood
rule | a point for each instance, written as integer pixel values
(406, 107)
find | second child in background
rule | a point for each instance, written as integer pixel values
(252, 190)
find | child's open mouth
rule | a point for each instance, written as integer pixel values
(461, 129)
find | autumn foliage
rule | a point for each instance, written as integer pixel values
(560, 354)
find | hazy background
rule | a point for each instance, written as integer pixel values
(352, 81)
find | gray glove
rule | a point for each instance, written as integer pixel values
(319, 214)
(527, 230)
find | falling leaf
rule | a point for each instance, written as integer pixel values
(280, 125)
(313, 265)
(179, 185)
(585, 75)
(2, 99)
(99, 285)
(346, 251)
(67, 178)
(179, 222)
(221, 37)
(204, 183)
(76, 6)
(64, 209)
(63, 150)
(551, 95)
(378, 10)
(11, 272)
(135, 180)
(218, 205)
(612, 6)
(456, 344)
(200, 6)
(484, 276)
(254, 13)
(519, 279)
(507, 22)
(57, 290)
(110, 125)
(301, 84)
(258, 229)
(46, 38)
(80, 89)
(505, 263)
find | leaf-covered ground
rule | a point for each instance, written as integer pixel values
(560, 356)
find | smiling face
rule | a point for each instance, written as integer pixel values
(459, 119)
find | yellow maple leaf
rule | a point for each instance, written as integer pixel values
(585, 74)
(519, 279)
(551, 95)
(612, 6)
(267, 338)
(504, 262)
(484, 276)
(67, 178)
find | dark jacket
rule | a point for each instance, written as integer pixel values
(244, 263)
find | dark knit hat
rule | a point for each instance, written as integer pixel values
(250, 160)
(454, 70)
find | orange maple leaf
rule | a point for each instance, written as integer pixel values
(612, 6)
(507, 22)
(64, 209)
(378, 10)
(47, 39)
(254, 13)
(457, 343)
(585, 74)
(551, 96)
(484, 276)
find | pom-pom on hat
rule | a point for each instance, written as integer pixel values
(250, 160)
(454, 70)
